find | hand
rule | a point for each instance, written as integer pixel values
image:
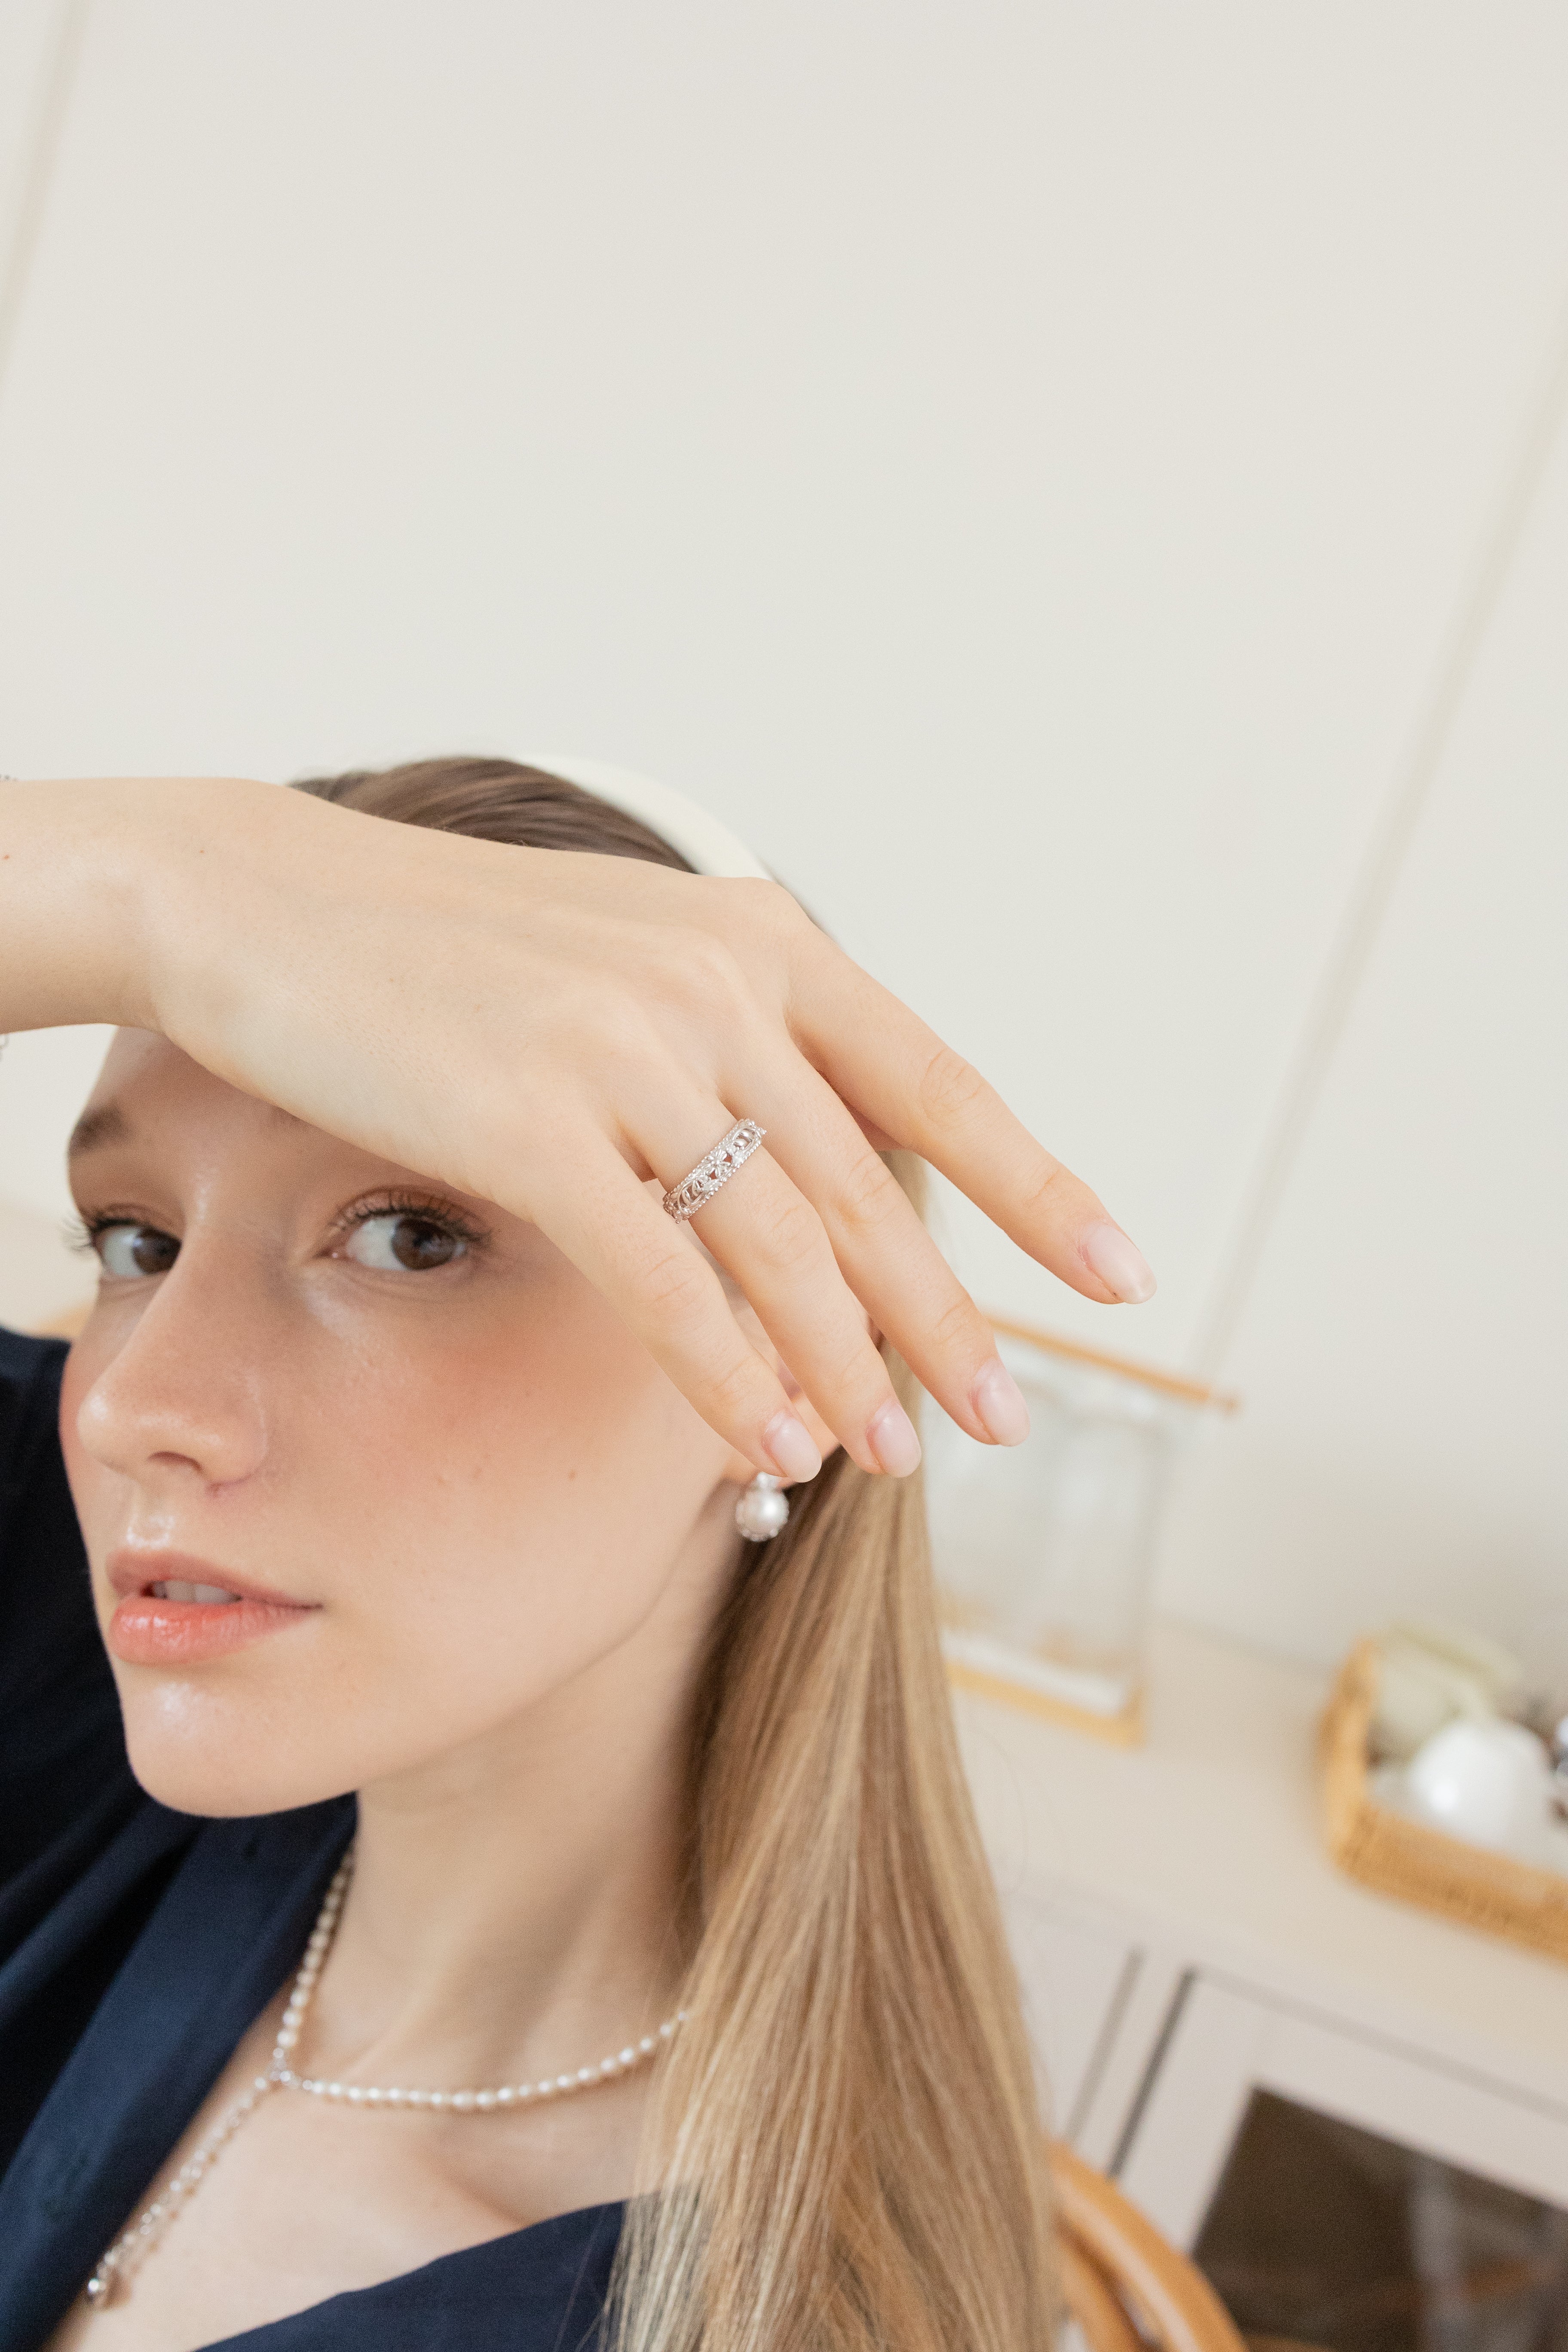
(550, 1032)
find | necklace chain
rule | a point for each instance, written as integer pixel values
(151, 2223)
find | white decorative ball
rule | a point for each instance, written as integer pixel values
(761, 1510)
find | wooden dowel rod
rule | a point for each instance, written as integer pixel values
(1174, 1384)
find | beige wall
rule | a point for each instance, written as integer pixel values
(1074, 486)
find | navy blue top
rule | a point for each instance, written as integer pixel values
(137, 1945)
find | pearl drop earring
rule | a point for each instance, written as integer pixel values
(762, 1511)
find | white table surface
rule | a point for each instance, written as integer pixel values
(1208, 1841)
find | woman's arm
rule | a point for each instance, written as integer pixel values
(548, 1031)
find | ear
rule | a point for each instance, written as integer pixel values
(738, 1470)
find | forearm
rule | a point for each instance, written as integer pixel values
(92, 877)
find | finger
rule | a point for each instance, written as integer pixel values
(616, 1235)
(895, 1072)
(767, 1235)
(887, 1257)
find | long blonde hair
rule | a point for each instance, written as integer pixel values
(843, 2151)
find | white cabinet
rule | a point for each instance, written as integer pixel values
(1270, 2058)
(1076, 1970)
(1227, 2041)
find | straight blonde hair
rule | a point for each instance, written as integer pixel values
(843, 2151)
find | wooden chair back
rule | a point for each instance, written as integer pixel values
(1127, 2287)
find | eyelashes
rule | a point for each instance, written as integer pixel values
(428, 1209)
(418, 1233)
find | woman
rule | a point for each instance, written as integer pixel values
(480, 1900)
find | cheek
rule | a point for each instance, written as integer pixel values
(481, 1514)
(483, 1528)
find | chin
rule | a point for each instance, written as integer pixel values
(197, 1754)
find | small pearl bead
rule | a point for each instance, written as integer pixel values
(609, 2066)
(354, 2094)
(628, 2057)
(464, 2099)
(584, 2074)
(505, 2096)
(334, 2090)
(438, 2099)
(646, 2045)
(563, 2081)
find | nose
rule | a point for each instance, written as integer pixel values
(182, 1394)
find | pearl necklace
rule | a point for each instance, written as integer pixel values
(150, 2225)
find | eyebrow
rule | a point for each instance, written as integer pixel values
(96, 1129)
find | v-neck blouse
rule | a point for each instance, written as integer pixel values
(137, 1945)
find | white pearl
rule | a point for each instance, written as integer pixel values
(628, 2057)
(464, 2099)
(761, 1511)
(485, 2098)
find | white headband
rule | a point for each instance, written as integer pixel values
(701, 840)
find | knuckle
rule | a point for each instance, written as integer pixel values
(949, 1088)
(960, 1323)
(870, 1197)
(796, 1241)
(612, 1026)
(673, 1287)
(706, 966)
(730, 1394)
(1046, 1186)
(759, 901)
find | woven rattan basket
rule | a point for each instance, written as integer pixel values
(1403, 1857)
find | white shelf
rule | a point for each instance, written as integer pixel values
(1205, 1845)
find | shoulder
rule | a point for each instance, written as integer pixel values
(29, 1400)
(61, 1746)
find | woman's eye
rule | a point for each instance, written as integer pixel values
(135, 1250)
(400, 1242)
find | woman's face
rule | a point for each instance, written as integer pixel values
(444, 1482)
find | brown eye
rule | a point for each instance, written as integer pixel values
(400, 1242)
(129, 1251)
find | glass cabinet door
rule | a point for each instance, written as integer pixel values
(1351, 2193)
(1322, 2233)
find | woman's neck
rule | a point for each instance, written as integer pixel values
(514, 1906)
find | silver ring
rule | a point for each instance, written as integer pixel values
(713, 1170)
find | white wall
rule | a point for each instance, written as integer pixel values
(1045, 472)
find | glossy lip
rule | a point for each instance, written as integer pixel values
(147, 1631)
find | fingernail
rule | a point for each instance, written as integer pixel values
(998, 1401)
(890, 1434)
(787, 1443)
(1119, 1263)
